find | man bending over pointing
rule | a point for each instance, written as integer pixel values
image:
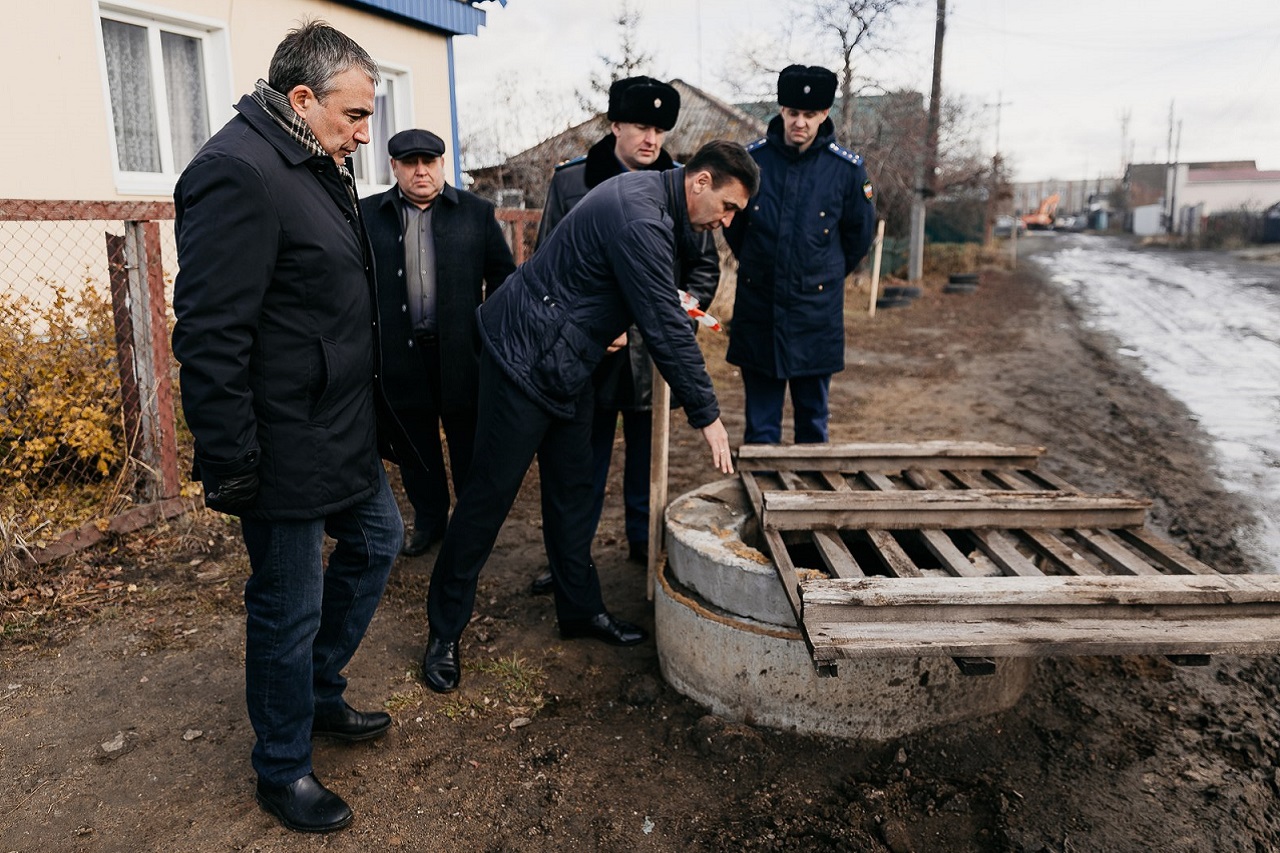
(612, 261)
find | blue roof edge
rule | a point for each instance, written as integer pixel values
(455, 17)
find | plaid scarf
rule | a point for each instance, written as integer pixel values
(281, 111)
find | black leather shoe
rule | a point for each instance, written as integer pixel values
(441, 668)
(542, 584)
(305, 805)
(421, 540)
(639, 553)
(605, 628)
(350, 725)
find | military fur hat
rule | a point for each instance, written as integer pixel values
(644, 100)
(806, 88)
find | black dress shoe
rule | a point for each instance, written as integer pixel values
(639, 553)
(542, 584)
(305, 805)
(421, 540)
(350, 725)
(605, 628)
(441, 668)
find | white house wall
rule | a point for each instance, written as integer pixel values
(1223, 196)
(60, 142)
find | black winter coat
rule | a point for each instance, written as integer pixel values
(803, 232)
(472, 260)
(275, 325)
(624, 379)
(609, 263)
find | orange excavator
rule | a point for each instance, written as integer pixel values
(1042, 219)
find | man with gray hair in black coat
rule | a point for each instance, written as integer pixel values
(276, 337)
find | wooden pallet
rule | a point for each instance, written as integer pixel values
(969, 550)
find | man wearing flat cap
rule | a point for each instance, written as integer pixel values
(641, 111)
(807, 228)
(438, 252)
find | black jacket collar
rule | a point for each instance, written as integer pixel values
(289, 148)
(687, 242)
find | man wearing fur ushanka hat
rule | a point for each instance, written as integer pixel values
(641, 111)
(807, 228)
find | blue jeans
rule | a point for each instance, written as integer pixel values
(305, 621)
(764, 407)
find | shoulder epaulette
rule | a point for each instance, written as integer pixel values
(757, 144)
(845, 154)
(573, 162)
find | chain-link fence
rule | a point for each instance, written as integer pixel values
(87, 429)
(89, 442)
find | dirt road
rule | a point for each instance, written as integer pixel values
(122, 725)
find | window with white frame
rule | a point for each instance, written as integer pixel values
(391, 114)
(160, 88)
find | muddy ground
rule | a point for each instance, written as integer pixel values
(122, 723)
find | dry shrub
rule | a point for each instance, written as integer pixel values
(61, 439)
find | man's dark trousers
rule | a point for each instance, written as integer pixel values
(305, 621)
(764, 398)
(637, 434)
(428, 491)
(511, 430)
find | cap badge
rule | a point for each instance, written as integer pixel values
(808, 89)
(657, 102)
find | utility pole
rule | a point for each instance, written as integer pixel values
(997, 176)
(1124, 140)
(1173, 193)
(925, 187)
(1169, 176)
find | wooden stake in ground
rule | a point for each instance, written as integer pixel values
(658, 475)
(878, 247)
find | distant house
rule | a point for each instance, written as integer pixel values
(522, 180)
(1199, 190)
(137, 86)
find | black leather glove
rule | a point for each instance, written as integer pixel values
(232, 493)
(230, 487)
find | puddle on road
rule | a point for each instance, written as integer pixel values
(1207, 330)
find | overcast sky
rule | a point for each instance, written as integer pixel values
(1065, 72)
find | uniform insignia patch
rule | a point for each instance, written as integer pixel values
(867, 190)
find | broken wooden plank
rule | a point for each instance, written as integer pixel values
(835, 554)
(1001, 551)
(1013, 481)
(1188, 660)
(937, 542)
(891, 556)
(835, 480)
(1249, 635)
(1058, 553)
(975, 666)
(1045, 591)
(1113, 553)
(887, 456)
(1163, 552)
(912, 510)
(1052, 481)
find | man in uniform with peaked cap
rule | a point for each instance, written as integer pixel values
(807, 228)
(641, 111)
